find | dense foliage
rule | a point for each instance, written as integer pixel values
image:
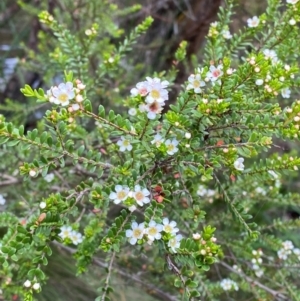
(184, 196)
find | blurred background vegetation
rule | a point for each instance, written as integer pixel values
(29, 55)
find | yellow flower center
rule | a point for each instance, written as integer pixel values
(139, 196)
(196, 83)
(126, 142)
(152, 231)
(63, 97)
(137, 232)
(121, 194)
(155, 94)
(168, 228)
(170, 147)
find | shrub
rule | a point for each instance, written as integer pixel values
(187, 202)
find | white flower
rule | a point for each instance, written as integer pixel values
(124, 144)
(49, 177)
(63, 93)
(81, 86)
(158, 140)
(169, 227)
(259, 82)
(2, 200)
(214, 72)
(36, 286)
(283, 254)
(174, 242)
(195, 83)
(188, 135)
(271, 54)
(156, 81)
(204, 192)
(226, 34)
(43, 205)
(230, 71)
(259, 273)
(88, 32)
(196, 236)
(32, 173)
(156, 90)
(27, 283)
(137, 232)
(76, 237)
(292, 22)
(286, 93)
(79, 98)
(132, 111)
(296, 251)
(238, 164)
(228, 284)
(288, 245)
(140, 195)
(65, 232)
(75, 106)
(153, 230)
(171, 146)
(273, 174)
(260, 191)
(141, 89)
(121, 193)
(292, 1)
(153, 108)
(253, 22)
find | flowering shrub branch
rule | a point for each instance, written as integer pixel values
(159, 184)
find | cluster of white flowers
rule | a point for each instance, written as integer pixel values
(271, 54)
(228, 285)
(68, 232)
(260, 190)
(256, 262)
(155, 92)
(36, 286)
(195, 81)
(153, 232)
(122, 192)
(171, 144)
(288, 249)
(238, 164)
(2, 200)
(205, 192)
(65, 92)
(213, 31)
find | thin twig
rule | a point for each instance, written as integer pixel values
(155, 291)
(277, 295)
(108, 275)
